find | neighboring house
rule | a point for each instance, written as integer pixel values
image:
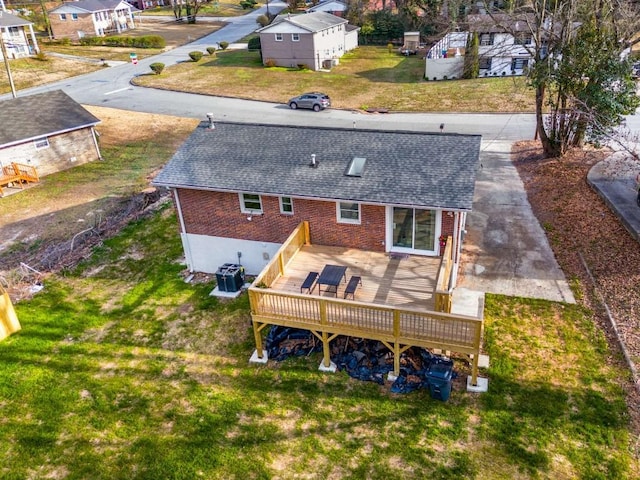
(91, 18)
(334, 7)
(505, 46)
(241, 189)
(316, 39)
(146, 4)
(17, 35)
(48, 131)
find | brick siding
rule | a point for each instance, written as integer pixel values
(218, 214)
(69, 28)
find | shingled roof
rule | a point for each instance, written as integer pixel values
(41, 115)
(91, 6)
(9, 20)
(312, 21)
(402, 168)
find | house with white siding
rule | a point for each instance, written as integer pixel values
(316, 40)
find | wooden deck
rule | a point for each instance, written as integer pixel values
(400, 282)
(394, 305)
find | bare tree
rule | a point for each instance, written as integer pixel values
(582, 82)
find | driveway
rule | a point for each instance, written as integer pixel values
(506, 250)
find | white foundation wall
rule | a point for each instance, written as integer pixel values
(206, 254)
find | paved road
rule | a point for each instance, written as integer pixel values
(507, 250)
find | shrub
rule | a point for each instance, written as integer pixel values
(247, 4)
(157, 67)
(302, 66)
(262, 20)
(195, 55)
(270, 62)
(41, 56)
(390, 47)
(223, 45)
(254, 43)
(211, 50)
(146, 41)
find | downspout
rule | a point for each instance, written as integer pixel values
(183, 232)
(95, 142)
(458, 225)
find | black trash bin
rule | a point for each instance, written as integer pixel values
(230, 277)
(439, 377)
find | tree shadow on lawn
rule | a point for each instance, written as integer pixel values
(409, 70)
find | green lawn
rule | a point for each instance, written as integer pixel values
(124, 371)
(369, 77)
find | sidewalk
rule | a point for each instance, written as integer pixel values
(614, 180)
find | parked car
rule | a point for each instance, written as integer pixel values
(314, 100)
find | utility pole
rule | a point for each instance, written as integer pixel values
(6, 64)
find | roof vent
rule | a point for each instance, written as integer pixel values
(314, 162)
(355, 167)
(211, 124)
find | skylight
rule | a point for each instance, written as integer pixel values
(356, 167)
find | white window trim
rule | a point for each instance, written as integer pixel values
(41, 143)
(74, 17)
(295, 37)
(348, 220)
(244, 209)
(63, 16)
(282, 211)
(279, 37)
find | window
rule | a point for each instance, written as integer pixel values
(295, 37)
(519, 63)
(522, 39)
(250, 203)
(278, 37)
(74, 17)
(286, 205)
(486, 39)
(41, 143)
(485, 63)
(63, 16)
(348, 212)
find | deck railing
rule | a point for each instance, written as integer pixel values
(276, 267)
(444, 290)
(379, 322)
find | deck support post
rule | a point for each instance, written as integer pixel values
(258, 338)
(474, 370)
(326, 353)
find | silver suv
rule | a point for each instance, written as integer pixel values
(313, 100)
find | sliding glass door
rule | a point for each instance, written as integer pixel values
(413, 229)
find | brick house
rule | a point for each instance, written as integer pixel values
(91, 18)
(241, 189)
(17, 35)
(49, 131)
(316, 39)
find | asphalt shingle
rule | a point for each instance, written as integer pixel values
(402, 168)
(41, 115)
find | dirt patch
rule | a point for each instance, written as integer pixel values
(174, 33)
(47, 228)
(581, 229)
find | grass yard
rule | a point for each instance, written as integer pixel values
(369, 77)
(30, 72)
(124, 371)
(213, 8)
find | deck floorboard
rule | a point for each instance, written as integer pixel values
(402, 282)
